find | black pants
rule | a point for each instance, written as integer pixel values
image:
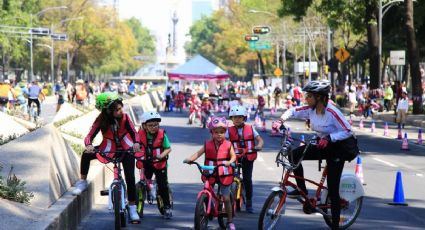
(167, 103)
(128, 166)
(387, 104)
(37, 102)
(161, 181)
(335, 163)
(247, 167)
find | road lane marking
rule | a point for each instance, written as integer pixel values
(270, 168)
(385, 162)
(260, 159)
(419, 174)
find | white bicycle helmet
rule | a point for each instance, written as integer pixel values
(237, 111)
(320, 87)
(151, 116)
(205, 96)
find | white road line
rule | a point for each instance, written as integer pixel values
(385, 162)
(419, 174)
(260, 159)
(270, 168)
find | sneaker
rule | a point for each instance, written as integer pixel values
(134, 216)
(168, 213)
(80, 187)
(230, 226)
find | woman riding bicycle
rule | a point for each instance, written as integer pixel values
(118, 134)
(337, 141)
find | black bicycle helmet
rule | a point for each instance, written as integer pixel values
(319, 87)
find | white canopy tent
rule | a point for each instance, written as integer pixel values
(198, 69)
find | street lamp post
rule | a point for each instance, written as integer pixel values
(31, 37)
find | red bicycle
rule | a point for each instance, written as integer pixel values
(209, 204)
(351, 192)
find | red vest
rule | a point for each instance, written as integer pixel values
(157, 148)
(214, 157)
(247, 140)
(110, 144)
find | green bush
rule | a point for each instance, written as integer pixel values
(13, 189)
(79, 149)
(63, 121)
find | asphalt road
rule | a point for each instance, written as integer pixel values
(382, 158)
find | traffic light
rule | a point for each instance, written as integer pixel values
(261, 30)
(40, 31)
(251, 38)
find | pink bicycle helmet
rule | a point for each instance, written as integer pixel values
(217, 122)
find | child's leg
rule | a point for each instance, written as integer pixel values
(225, 192)
(247, 167)
(162, 183)
(85, 164)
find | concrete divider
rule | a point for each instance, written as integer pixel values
(9, 127)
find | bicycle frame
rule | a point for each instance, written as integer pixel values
(213, 199)
(117, 181)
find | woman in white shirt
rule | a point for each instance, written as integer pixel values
(402, 108)
(337, 141)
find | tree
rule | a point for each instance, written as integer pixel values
(413, 56)
(145, 41)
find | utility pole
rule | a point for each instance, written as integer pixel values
(175, 19)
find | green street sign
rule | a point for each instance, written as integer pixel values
(260, 45)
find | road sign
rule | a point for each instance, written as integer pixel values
(261, 29)
(277, 72)
(397, 57)
(260, 45)
(342, 55)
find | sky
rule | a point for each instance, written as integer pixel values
(156, 15)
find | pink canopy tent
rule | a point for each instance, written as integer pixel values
(198, 68)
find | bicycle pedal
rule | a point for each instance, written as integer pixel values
(104, 192)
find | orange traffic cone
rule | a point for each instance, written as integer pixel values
(372, 127)
(420, 141)
(399, 132)
(359, 170)
(386, 129)
(398, 198)
(361, 123)
(405, 143)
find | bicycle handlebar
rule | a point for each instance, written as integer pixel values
(208, 167)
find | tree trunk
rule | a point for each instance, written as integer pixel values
(372, 13)
(413, 56)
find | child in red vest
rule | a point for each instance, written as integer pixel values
(244, 137)
(217, 149)
(156, 146)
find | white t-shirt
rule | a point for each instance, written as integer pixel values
(332, 123)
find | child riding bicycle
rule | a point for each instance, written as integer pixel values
(337, 141)
(118, 133)
(219, 151)
(244, 136)
(156, 146)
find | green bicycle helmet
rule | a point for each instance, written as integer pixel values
(106, 99)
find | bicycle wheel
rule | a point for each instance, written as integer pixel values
(349, 212)
(271, 211)
(116, 201)
(222, 213)
(141, 196)
(201, 215)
